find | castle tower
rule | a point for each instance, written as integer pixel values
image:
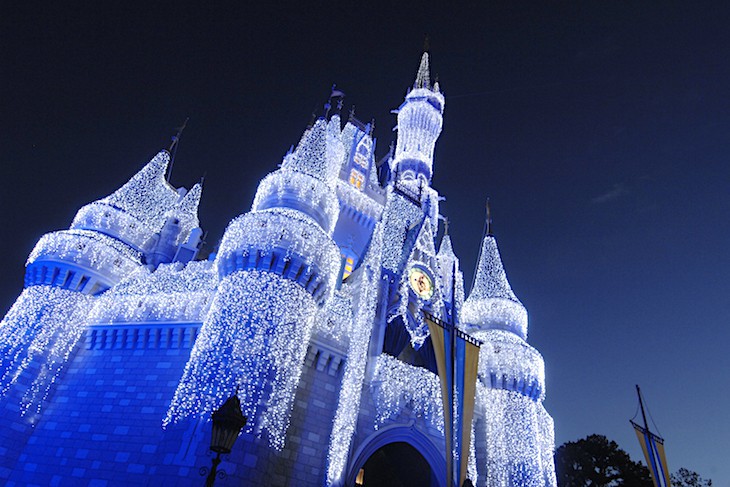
(420, 118)
(67, 270)
(107, 240)
(511, 425)
(277, 265)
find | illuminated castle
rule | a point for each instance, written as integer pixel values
(311, 312)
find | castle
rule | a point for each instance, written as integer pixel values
(311, 312)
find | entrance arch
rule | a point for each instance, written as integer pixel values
(403, 446)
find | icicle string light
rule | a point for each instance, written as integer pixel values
(343, 425)
(397, 386)
(172, 293)
(256, 333)
(251, 344)
(104, 255)
(147, 196)
(419, 122)
(290, 231)
(41, 327)
(519, 446)
(399, 215)
(349, 196)
(106, 243)
(511, 362)
(282, 184)
(335, 319)
(137, 211)
(320, 151)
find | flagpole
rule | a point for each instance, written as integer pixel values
(652, 453)
(454, 467)
(641, 405)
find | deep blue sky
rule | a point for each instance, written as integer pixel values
(600, 130)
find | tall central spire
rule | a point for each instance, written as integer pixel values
(423, 77)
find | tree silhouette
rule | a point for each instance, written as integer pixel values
(597, 462)
(688, 478)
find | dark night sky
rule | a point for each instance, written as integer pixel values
(598, 130)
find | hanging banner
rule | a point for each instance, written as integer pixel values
(653, 448)
(457, 358)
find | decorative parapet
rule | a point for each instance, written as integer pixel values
(141, 336)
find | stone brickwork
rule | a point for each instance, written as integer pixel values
(104, 418)
(103, 424)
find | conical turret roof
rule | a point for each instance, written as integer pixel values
(423, 77)
(147, 196)
(446, 250)
(491, 303)
(186, 211)
(319, 151)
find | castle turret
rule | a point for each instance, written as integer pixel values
(107, 241)
(147, 213)
(278, 265)
(420, 118)
(510, 418)
(452, 279)
(491, 303)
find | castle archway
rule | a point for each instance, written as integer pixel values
(397, 456)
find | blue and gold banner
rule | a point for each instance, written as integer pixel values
(457, 358)
(653, 448)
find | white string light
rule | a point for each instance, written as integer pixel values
(343, 425)
(519, 440)
(491, 302)
(397, 386)
(172, 293)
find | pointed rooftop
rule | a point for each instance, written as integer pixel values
(318, 152)
(186, 211)
(491, 303)
(446, 250)
(423, 77)
(147, 196)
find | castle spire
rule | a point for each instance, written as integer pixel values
(492, 303)
(423, 77)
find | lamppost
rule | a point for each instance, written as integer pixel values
(228, 420)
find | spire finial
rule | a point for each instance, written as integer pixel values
(446, 226)
(173, 146)
(489, 218)
(335, 93)
(426, 43)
